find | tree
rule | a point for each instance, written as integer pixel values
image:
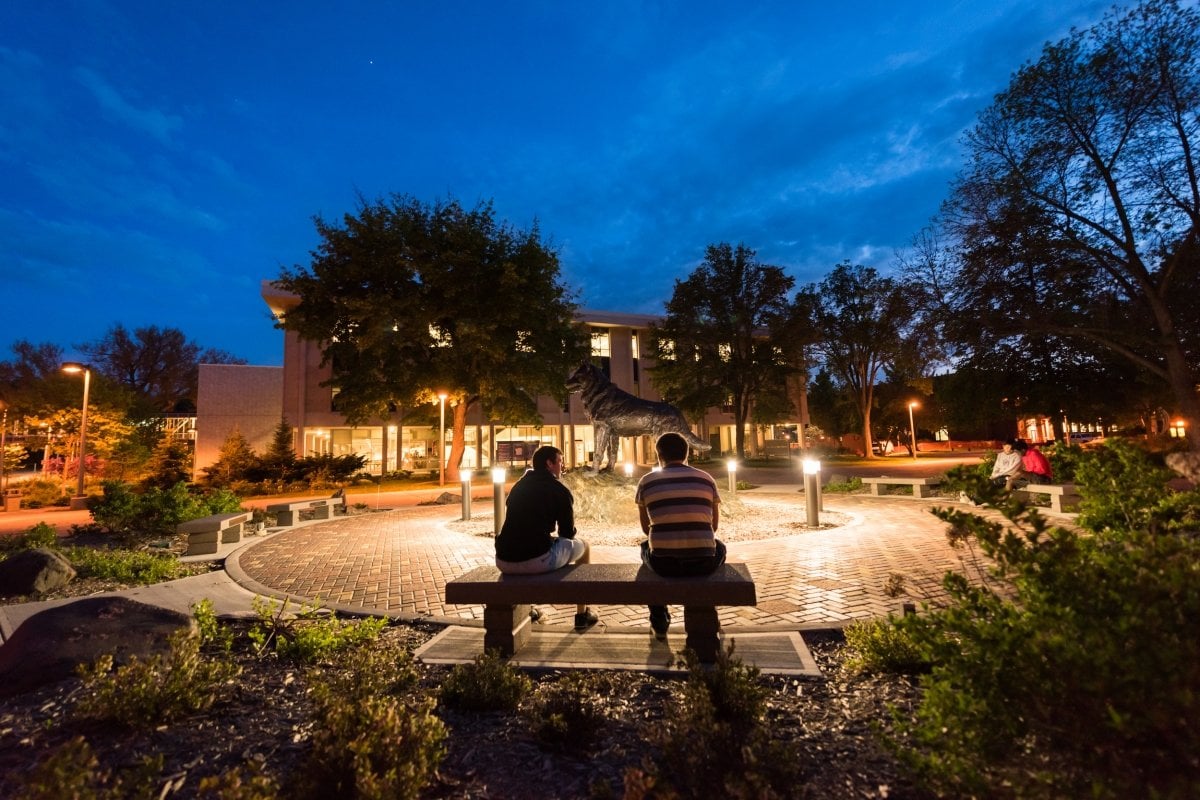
(1078, 215)
(409, 300)
(862, 317)
(234, 461)
(159, 365)
(279, 461)
(715, 341)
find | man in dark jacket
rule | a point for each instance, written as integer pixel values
(537, 505)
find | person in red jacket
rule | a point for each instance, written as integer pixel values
(1035, 464)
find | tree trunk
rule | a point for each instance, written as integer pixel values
(458, 442)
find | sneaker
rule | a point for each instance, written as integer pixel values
(585, 620)
(660, 621)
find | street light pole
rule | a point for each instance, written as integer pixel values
(442, 441)
(912, 428)
(79, 501)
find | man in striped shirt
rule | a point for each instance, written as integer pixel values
(679, 508)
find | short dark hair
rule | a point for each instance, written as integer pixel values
(671, 447)
(544, 455)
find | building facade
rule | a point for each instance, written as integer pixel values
(618, 342)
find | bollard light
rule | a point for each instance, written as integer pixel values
(812, 490)
(465, 476)
(498, 476)
(731, 465)
(628, 470)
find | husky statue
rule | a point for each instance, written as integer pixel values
(615, 413)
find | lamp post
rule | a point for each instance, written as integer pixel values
(912, 428)
(74, 367)
(442, 441)
(4, 449)
(498, 476)
(465, 476)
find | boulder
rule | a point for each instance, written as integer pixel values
(48, 646)
(1186, 464)
(34, 571)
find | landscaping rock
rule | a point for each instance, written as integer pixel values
(35, 571)
(48, 646)
(1186, 464)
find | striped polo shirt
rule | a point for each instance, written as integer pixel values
(679, 501)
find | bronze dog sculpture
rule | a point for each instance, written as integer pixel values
(615, 413)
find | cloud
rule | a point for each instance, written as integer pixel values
(150, 121)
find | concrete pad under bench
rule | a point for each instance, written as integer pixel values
(507, 599)
(920, 486)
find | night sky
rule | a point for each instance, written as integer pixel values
(158, 160)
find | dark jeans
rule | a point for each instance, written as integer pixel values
(673, 567)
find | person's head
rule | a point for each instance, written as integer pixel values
(1020, 446)
(671, 447)
(548, 458)
(1008, 446)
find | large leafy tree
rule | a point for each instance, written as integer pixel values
(161, 366)
(409, 300)
(864, 321)
(1078, 215)
(715, 342)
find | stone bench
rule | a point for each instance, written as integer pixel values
(207, 533)
(507, 599)
(920, 486)
(1063, 498)
(286, 514)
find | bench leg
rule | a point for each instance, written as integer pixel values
(920, 491)
(321, 512)
(702, 626)
(232, 534)
(202, 544)
(506, 628)
(285, 519)
(875, 489)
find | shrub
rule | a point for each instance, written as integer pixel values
(1080, 673)
(74, 771)
(240, 783)
(568, 712)
(882, 646)
(155, 511)
(311, 635)
(144, 693)
(1119, 486)
(852, 484)
(41, 492)
(40, 535)
(489, 683)
(212, 633)
(125, 566)
(367, 741)
(722, 712)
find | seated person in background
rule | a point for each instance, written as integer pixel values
(679, 509)
(537, 504)
(1008, 466)
(1035, 464)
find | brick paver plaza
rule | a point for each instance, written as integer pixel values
(398, 562)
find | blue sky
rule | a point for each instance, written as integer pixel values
(158, 160)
